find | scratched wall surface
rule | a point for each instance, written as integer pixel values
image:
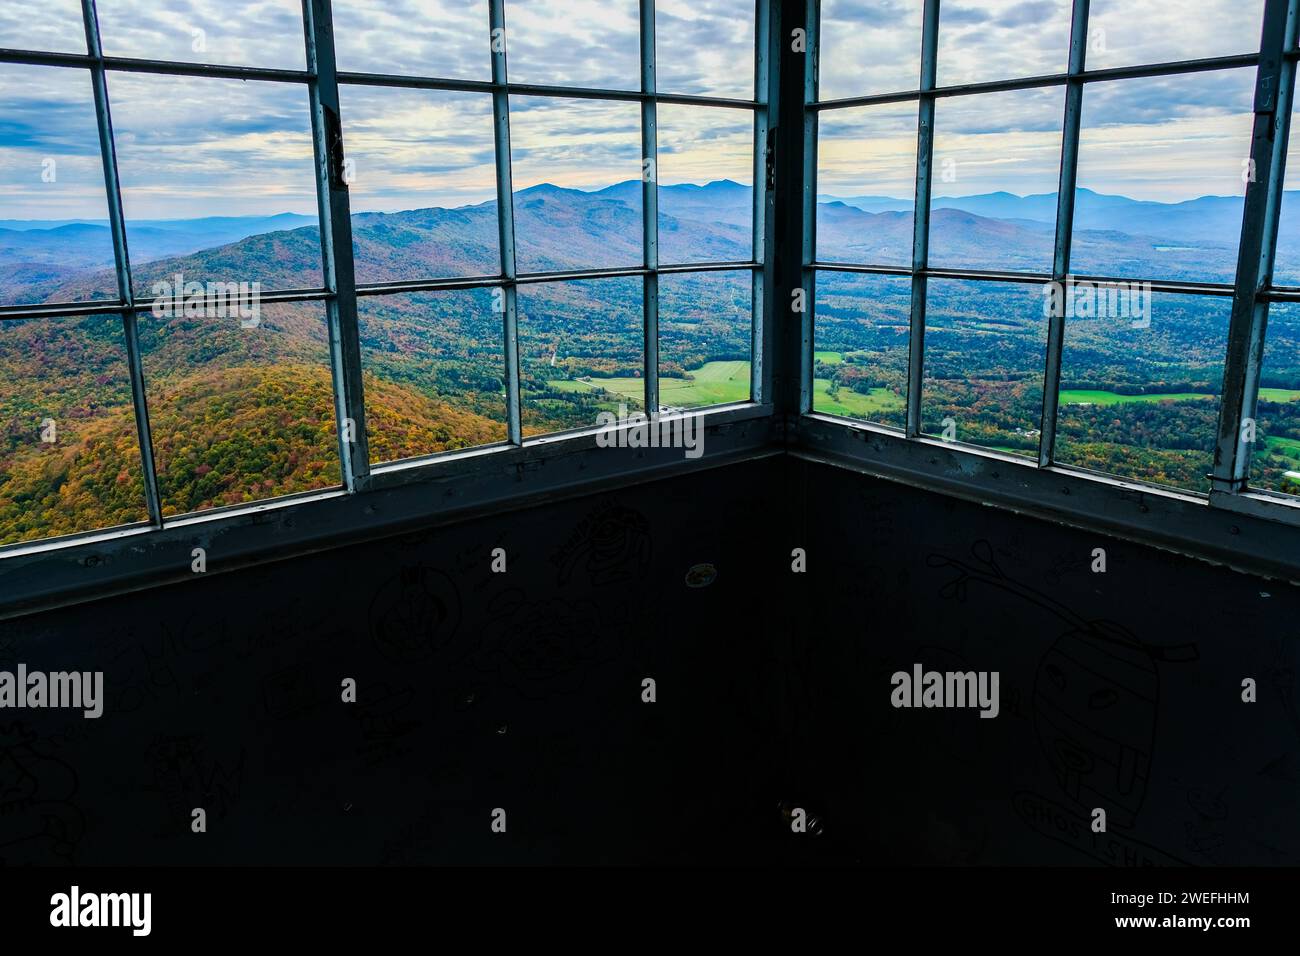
(476, 691)
(1119, 690)
(523, 691)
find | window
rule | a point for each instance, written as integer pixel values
(252, 256)
(273, 257)
(1124, 309)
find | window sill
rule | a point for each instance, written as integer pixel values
(453, 486)
(1253, 534)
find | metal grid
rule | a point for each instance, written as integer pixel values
(1251, 293)
(339, 295)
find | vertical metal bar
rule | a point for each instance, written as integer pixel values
(650, 208)
(1065, 195)
(122, 260)
(336, 244)
(786, 209)
(1274, 94)
(505, 218)
(812, 23)
(760, 369)
(921, 213)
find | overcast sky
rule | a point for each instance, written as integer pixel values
(190, 147)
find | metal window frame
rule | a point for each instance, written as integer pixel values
(507, 473)
(891, 451)
(1241, 527)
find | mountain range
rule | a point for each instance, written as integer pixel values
(245, 414)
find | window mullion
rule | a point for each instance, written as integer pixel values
(760, 377)
(808, 252)
(336, 244)
(921, 213)
(1274, 92)
(509, 302)
(1065, 195)
(122, 260)
(650, 208)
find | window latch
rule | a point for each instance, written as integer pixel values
(769, 159)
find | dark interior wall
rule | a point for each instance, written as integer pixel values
(1120, 690)
(523, 691)
(476, 691)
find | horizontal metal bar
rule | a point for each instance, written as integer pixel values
(683, 99)
(54, 310)
(429, 285)
(1174, 68)
(130, 64)
(45, 58)
(126, 64)
(539, 89)
(416, 82)
(709, 267)
(530, 278)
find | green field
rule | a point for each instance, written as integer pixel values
(829, 358)
(1078, 396)
(1280, 394)
(714, 383)
(855, 404)
(1288, 447)
(720, 383)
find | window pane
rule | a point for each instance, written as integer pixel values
(706, 204)
(53, 25)
(577, 180)
(69, 458)
(1161, 164)
(1286, 265)
(1122, 33)
(423, 183)
(1275, 464)
(856, 60)
(863, 325)
(866, 184)
(985, 352)
(266, 33)
(994, 156)
(1140, 386)
(581, 351)
(413, 37)
(55, 244)
(705, 338)
(705, 48)
(435, 377)
(984, 40)
(218, 181)
(241, 405)
(592, 43)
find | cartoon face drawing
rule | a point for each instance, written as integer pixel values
(1095, 699)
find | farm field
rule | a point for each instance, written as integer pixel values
(719, 383)
(1074, 396)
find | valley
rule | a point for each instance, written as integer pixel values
(241, 415)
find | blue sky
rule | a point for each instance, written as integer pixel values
(204, 147)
